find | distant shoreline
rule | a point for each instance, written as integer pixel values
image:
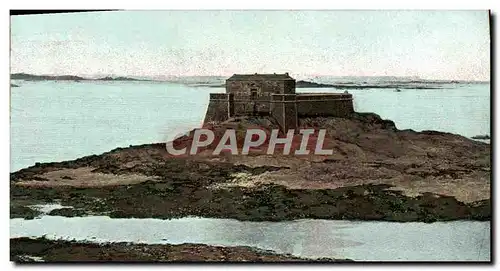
(397, 84)
(33, 77)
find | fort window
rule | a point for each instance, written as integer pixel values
(253, 93)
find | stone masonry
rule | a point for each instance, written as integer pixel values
(274, 95)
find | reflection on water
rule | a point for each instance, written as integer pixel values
(384, 241)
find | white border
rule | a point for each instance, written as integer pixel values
(200, 4)
(256, 4)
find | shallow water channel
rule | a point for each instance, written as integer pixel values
(356, 240)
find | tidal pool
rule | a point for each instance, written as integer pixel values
(356, 240)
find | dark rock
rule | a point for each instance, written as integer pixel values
(84, 251)
(67, 212)
(481, 137)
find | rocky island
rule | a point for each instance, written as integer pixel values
(377, 172)
(485, 137)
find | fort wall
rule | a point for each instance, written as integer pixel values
(324, 104)
(274, 95)
(218, 108)
(284, 110)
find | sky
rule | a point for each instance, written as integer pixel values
(428, 44)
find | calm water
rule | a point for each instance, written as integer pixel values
(371, 241)
(56, 121)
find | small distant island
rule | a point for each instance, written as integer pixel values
(396, 85)
(14, 85)
(484, 137)
(308, 84)
(33, 77)
(120, 78)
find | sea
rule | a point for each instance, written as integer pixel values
(62, 120)
(54, 121)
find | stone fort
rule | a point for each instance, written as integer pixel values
(274, 95)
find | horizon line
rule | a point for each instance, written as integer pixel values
(223, 75)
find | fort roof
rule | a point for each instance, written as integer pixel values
(256, 76)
